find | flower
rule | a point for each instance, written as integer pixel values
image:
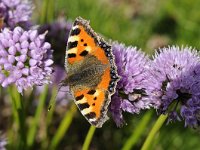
(130, 93)
(3, 143)
(116, 111)
(175, 83)
(25, 58)
(57, 35)
(15, 12)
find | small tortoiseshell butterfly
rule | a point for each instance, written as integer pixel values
(92, 74)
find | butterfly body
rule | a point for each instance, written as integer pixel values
(86, 73)
(92, 74)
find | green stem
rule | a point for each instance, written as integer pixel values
(136, 134)
(88, 138)
(52, 104)
(45, 140)
(43, 16)
(62, 129)
(153, 132)
(19, 115)
(50, 10)
(14, 106)
(36, 119)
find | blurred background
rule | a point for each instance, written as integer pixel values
(147, 24)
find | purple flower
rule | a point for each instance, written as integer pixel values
(116, 110)
(130, 93)
(57, 35)
(175, 83)
(3, 143)
(25, 58)
(15, 12)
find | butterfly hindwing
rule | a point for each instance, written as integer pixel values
(92, 74)
(90, 102)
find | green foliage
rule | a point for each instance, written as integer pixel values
(178, 21)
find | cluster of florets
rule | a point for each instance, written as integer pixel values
(15, 12)
(169, 83)
(25, 58)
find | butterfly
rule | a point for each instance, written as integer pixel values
(91, 72)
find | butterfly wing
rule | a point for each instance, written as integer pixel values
(83, 41)
(92, 99)
(93, 104)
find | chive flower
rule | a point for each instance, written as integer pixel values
(15, 13)
(175, 83)
(25, 58)
(130, 96)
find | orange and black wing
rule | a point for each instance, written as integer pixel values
(92, 102)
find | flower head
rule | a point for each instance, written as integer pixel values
(15, 12)
(130, 93)
(25, 58)
(175, 83)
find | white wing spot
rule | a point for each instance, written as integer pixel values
(93, 119)
(83, 100)
(86, 111)
(74, 27)
(73, 50)
(88, 48)
(96, 94)
(73, 38)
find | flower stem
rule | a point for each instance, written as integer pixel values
(19, 116)
(43, 14)
(88, 138)
(64, 126)
(49, 119)
(136, 134)
(154, 130)
(35, 122)
(50, 10)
